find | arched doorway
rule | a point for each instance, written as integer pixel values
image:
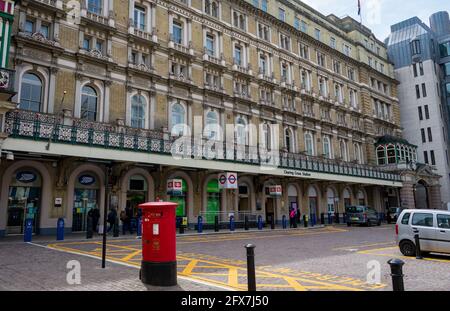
(330, 201)
(244, 198)
(347, 198)
(361, 198)
(270, 205)
(24, 200)
(85, 197)
(137, 191)
(313, 202)
(421, 195)
(292, 197)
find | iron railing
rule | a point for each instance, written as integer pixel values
(48, 127)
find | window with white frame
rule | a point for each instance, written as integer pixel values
(89, 103)
(323, 86)
(309, 144)
(304, 51)
(210, 44)
(179, 69)
(239, 20)
(353, 98)
(241, 87)
(95, 6)
(305, 79)
(263, 64)
(212, 80)
(347, 50)
(177, 32)
(266, 136)
(327, 147)
(139, 18)
(264, 32)
(138, 108)
(285, 72)
(321, 59)
(285, 42)
(241, 131)
(212, 130)
(282, 14)
(358, 153)
(338, 93)
(343, 150)
(178, 119)
(237, 54)
(289, 141)
(337, 66)
(333, 42)
(31, 92)
(212, 8)
(351, 73)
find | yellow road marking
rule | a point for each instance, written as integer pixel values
(232, 272)
(361, 245)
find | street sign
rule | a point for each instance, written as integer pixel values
(175, 186)
(228, 180)
(276, 190)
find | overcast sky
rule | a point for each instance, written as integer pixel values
(379, 15)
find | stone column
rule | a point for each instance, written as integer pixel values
(434, 197)
(407, 195)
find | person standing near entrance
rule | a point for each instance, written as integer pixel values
(292, 217)
(95, 218)
(112, 215)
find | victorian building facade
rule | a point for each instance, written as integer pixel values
(104, 88)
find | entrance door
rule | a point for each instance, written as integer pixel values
(24, 196)
(84, 201)
(313, 206)
(23, 203)
(213, 201)
(270, 210)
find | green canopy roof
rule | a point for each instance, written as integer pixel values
(388, 139)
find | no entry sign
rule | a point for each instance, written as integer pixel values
(228, 180)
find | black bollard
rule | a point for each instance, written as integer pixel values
(181, 229)
(418, 251)
(305, 221)
(246, 223)
(337, 218)
(397, 274)
(216, 223)
(322, 218)
(89, 231)
(272, 222)
(251, 275)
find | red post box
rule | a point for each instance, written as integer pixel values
(159, 262)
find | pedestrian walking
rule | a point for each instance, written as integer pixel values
(111, 219)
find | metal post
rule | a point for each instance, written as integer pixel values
(305, 221)
(139, 226)
(260, 223)
(397, 274)
(284, 222)
(418, 251)
(28, 232)
(272, 222)
(231, 223)
(337, 218)
(251, 275)
(60, 229)
(322, 218)
(246, 223)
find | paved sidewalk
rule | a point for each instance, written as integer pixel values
(29, 267)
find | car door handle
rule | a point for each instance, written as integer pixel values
(443, 231)
(415, 230)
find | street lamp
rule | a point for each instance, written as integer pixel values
(108, 171)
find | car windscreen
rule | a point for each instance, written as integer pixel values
(355, 209)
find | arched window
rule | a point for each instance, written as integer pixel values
(214, 9)
(289, 140)
(309, 144)
(266, 136)
(138, 105)
(31, 93)
(241, 131)
(89, 100)
(327, 147)
(177, 117)
(343, 149)
(212, 125)
(357, 155)
(391, 156)
(95, 6)
(381, 155)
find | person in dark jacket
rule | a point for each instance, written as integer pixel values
(112, 215)
(95, 218)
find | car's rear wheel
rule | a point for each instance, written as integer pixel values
(408, 248)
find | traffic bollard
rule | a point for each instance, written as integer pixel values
(181, 229)
(322, 218)
(330, 219)
(337, 218)
(260, 223)
(231, 223)
(60, 229)
(418, 251)
(397, 274)
(284, 222)
(305, 221)
(200, 224)
(344, 216)
(246, 223)
(272, 222)
(28, 232)
(251, 275)
(313, 220)
(89, 224)
(216, 224)
(116, 228)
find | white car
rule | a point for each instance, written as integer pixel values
(432, 226)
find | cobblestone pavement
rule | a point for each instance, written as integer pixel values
(330, 258)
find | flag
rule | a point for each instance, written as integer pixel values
(359, 7)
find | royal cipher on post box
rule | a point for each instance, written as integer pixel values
(159, 263)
